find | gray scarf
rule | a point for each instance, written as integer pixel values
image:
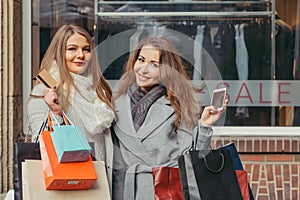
(141, 101)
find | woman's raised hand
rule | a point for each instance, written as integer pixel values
(51, 100)
(210, 114)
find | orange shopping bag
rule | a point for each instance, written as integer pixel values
(64, 176)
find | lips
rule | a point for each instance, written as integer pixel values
(142, 77)
(79, 63)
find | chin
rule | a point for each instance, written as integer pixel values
(143, 85)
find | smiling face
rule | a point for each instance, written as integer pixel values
(146, 67)
(78, 54)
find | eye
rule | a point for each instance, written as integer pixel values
(71, 49)
(87, 49)
(154, 64)
(140, 59)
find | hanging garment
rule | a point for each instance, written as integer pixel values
(134, 39)
(241, 60)
(198, 53)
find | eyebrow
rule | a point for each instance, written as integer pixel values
(153, 61)
(77, 45)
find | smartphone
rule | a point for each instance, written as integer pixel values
(45, 78)
(218, 98)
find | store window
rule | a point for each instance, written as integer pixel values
(250, 47)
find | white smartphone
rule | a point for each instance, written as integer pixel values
(218, 98)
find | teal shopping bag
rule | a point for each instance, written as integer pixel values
(70, 144)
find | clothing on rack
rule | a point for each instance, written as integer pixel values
(297, 61)
(241, 60)
(134, 39)
(284, 58)
(197, 75)
(241, 57)
(217, 51)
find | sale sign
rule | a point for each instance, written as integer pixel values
(265, 93)
(254, 93)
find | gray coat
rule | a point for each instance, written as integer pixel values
(156, 143)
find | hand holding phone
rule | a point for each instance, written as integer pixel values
(218, 99)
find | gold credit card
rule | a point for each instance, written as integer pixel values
(45, 78)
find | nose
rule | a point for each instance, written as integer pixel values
(80, 53)
(144, 69)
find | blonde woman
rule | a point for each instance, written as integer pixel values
(82, 92)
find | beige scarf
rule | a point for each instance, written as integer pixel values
(95, 116)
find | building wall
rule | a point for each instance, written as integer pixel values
(270, 155)
(11, 86)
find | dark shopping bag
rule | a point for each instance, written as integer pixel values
(237, 163)
(22, 151)
(208, 176)
(167, 183)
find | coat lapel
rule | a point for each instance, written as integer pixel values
(125, 130)
(124, 118)
(159, 112)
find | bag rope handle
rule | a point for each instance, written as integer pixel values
(209, 168)
(41, 129)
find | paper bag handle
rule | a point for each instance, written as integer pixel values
(65, 119)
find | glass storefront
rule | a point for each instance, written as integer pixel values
(250, 47)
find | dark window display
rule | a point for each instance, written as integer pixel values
(243, 45)
(233, 36)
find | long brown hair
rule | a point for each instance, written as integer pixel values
(56, 52)
(173, 76)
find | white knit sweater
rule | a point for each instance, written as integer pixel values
(85, 110)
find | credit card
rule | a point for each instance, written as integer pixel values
(45, 78)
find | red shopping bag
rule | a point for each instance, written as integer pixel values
(64, 176)
(243, 182)
(167, 183)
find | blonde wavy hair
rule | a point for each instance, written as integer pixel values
(173, 76)
(56, 52)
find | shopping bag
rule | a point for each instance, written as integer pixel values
(64, 176)
(243, 183)
(237, 164)
(69, 142)
(167, 183)
(22, 151)
(33, 184)
(211, 175)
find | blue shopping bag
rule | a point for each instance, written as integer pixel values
(237, 163)
(69, 142)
